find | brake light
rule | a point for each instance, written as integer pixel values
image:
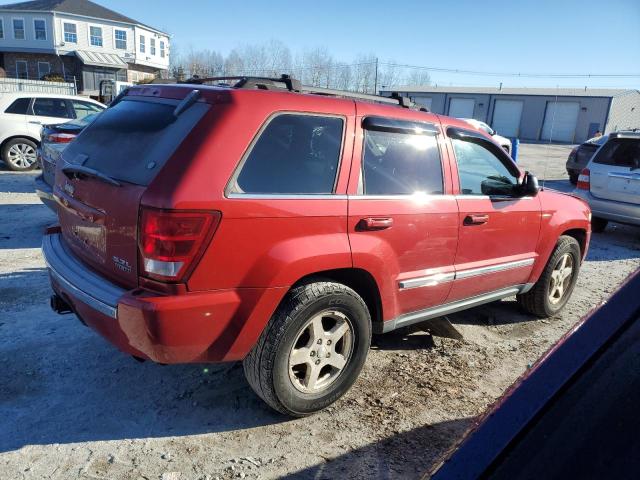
(60, 137)
(584, 180)
(170, 241)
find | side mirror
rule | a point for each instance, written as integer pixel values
(529, 186)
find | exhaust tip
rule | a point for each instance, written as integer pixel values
(59, 305)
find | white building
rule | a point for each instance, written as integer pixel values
(81, 41)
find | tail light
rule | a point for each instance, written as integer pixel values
(171, 241)
(60, 137)
(584, 180)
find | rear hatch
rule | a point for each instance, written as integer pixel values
(615, 171)
(106, 170)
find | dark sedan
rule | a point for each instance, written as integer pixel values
(55, 138)
(580, 156)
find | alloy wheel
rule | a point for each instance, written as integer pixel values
(561, 278)
(22, 155)
(321, 351)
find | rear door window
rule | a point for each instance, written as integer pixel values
(132, 140)
(294, 154)
(51, 107)
(401, 163)
(620, 152)
(19, 106)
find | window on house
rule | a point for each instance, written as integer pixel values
(18, 28)
(22, 70)
(44, 68)
(95, 36)
(162, 52)
(295, 154)
(152, 45)
(70, 33)
(121, 39)
(1, 28)
(142, 44)
(40, 29)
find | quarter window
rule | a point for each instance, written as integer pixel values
(481, 171)
(121, 39)
(19, 106)
(142, 44)
(40, 29)
(18, 29)
(70, 33)
(95, 36)
(401, 164)
(295, 154)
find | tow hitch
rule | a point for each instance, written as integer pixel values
(59, 305)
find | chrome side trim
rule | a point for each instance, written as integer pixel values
(427, 281)
(438, 278)
(80, 281)
(474, 272)
(275, 196)
(448, 308)
(412, 196)
(627, 176)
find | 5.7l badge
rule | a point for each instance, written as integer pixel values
(121, 264)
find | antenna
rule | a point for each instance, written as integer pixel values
(553, 122)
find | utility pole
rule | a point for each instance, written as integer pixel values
(375, 85)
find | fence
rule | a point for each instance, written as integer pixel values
(8, 85)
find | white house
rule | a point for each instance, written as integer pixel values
(80, 40)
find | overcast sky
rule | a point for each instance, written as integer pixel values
(545, 36)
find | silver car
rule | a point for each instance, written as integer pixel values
(610, 183)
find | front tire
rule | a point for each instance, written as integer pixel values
(312, 350)
(554, 287)
(20, 154)
(573, 178)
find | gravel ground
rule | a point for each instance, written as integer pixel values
(71, 406)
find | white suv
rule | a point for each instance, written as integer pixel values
(22, 116)
(610, 183)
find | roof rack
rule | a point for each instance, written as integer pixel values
(291, 84)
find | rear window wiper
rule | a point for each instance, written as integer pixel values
(186, 102)
(80, 169)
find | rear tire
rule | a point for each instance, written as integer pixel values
(312, 350)
(557, 281)
(598, 224)
(20, 154)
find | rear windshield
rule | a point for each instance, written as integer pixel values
(621, 152)
(132, 140)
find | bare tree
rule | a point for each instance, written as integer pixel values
(417, 77)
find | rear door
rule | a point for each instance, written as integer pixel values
(615, 171)
(48, 111)
(498, 229)
(105, 172)
(402, 219)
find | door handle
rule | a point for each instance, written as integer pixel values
(375, 223)
(476, 219)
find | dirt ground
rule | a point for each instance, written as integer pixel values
(71, 406)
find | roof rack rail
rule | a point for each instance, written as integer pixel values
(291, 84)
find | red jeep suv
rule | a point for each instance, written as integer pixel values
(281, 225)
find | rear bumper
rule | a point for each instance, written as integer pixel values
(611, 210)
(211, 326)
(45, 192)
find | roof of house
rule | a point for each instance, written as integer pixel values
(561, 92)
(84, 8)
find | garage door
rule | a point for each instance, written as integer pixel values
(461, 107)
(423, 102)
(506, 117)
(560, 121)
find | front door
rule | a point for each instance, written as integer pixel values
(498, 229)
(402, 224)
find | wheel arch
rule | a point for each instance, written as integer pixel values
(359, 280)
(580, 235)
(13, 137)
